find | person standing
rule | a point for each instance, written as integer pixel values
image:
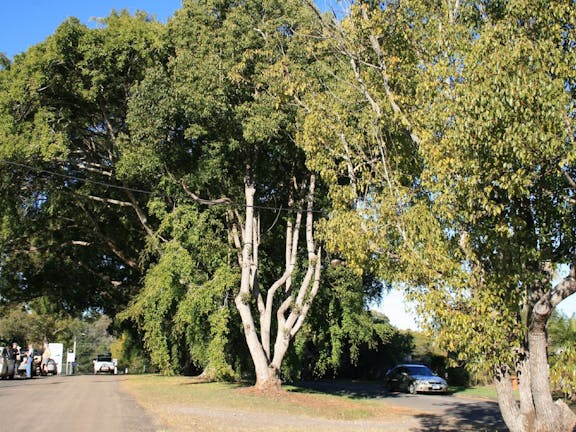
(16, 356)
(29, 361)
(46, 354)
(16, 352)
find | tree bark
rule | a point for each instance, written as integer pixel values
(550, 416)
(264, 375)
(293, 309)
(506, 402)
(547, 418)
(537, 411)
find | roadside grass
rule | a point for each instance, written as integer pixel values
(186, 403)
(483, 392)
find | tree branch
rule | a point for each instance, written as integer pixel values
(219, 201)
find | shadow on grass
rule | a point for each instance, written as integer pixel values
(351, 389)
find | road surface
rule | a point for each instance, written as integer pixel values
(83, 403)
(437, 412)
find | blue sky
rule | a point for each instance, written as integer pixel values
(28, 22)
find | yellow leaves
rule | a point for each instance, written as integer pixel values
(393, 61)
(344, 235)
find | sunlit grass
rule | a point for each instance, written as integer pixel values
(484, 392)
(180, 401)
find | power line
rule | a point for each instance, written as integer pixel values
(72, 177)
(136, 190)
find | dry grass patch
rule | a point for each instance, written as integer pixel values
(186, 403)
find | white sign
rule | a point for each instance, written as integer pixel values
(56, 353)
(70, 357)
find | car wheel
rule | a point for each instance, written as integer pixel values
(412, 388)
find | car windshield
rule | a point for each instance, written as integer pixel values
(420, 370)
(104, 358)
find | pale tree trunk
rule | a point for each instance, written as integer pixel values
(508, 406)
(536, 411)
(293, 309)
(243, 298)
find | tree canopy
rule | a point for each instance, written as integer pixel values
(483, 95)
(217, 178)
(63, 109)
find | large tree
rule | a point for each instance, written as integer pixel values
(483, 94)
(63, 107)
(500, 153)
(216, 126)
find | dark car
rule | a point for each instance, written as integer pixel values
(7, 363)
(414, 378)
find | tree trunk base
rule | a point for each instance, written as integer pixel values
(206, 376)
(269, 386)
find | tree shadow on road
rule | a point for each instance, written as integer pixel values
(477, 418)
(481, 416)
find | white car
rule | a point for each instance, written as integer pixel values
(414, 378)
(105, 364)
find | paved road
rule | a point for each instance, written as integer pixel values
(84, 403)
(438, 412)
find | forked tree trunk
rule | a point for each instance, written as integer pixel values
(294, 306)
(536, 410)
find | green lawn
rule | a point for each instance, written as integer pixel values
(484, 392)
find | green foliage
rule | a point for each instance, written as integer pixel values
(562, 338)
(340, 326)
(458, 171)
(33, 323)
(204, 317)
(444, 140)
(213, 119)
(447, 174)
(561, 330)
(62, 106)
(498, 148)
(183, 311)
(155, 306)
(358, 134)
(41, 320)
(562, 372)
(92, 336)
(128, 350)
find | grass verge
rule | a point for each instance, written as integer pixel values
(184, 403)
(482, 392)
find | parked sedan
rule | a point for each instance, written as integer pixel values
(7, 364)
(414, 378)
